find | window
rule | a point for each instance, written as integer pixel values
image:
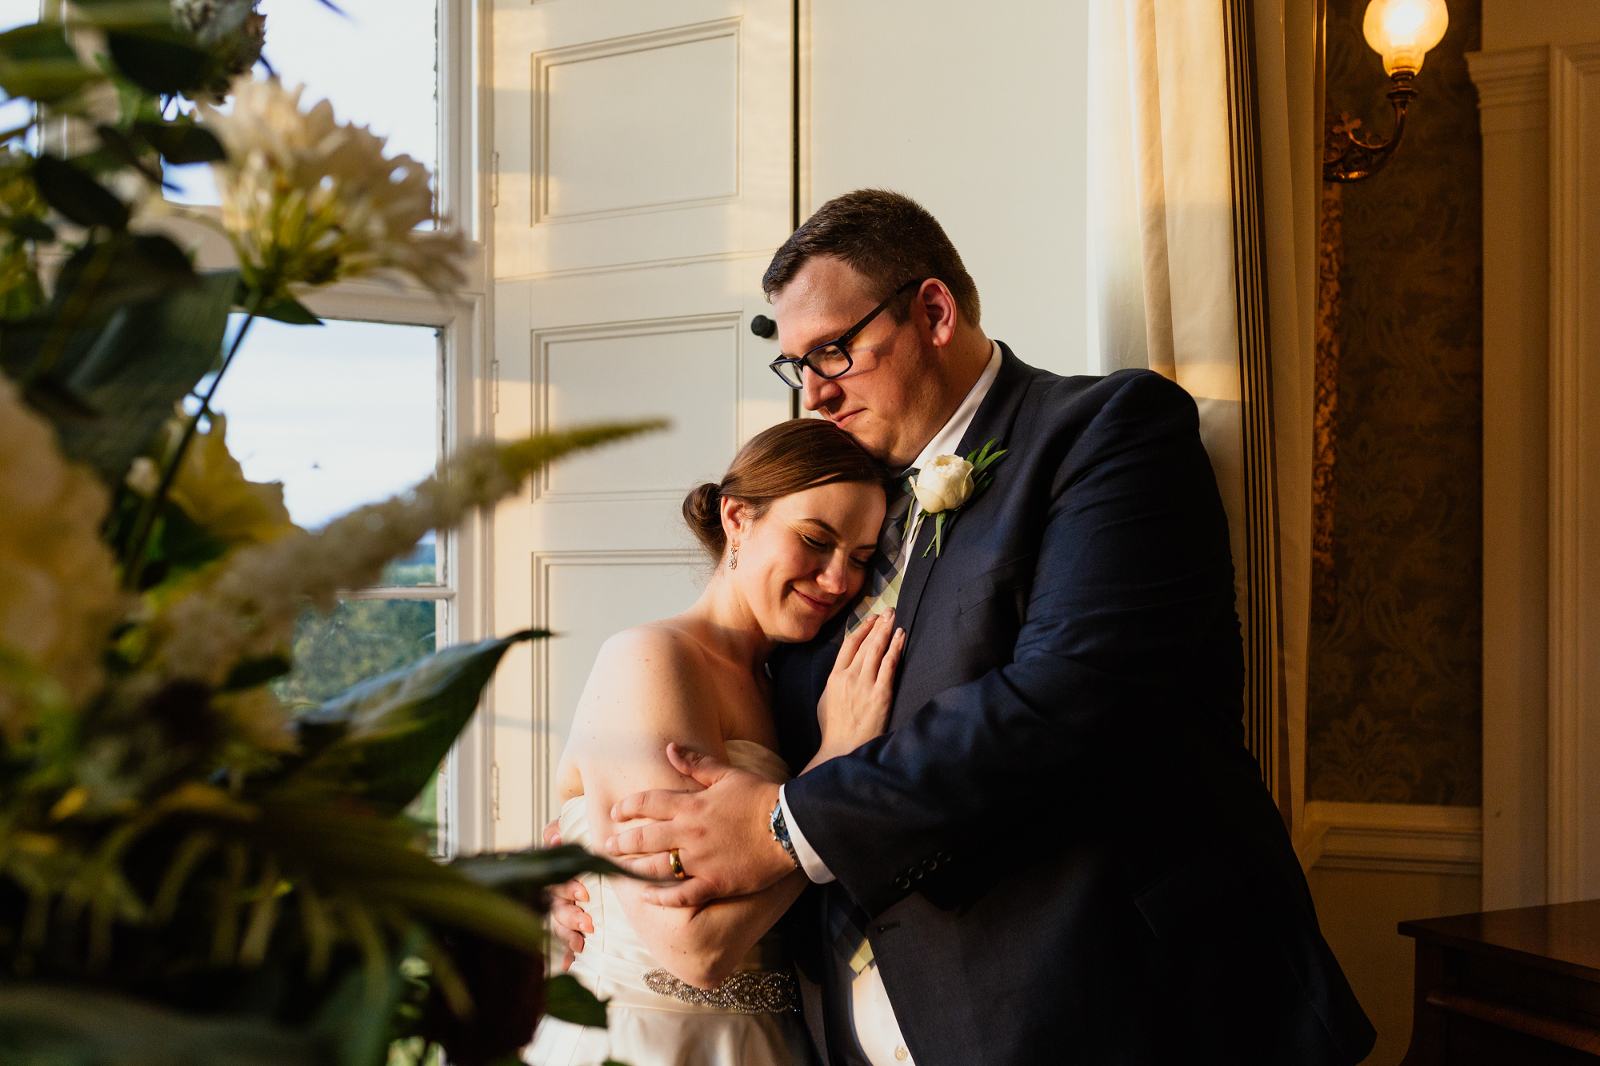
(344, 415)
(364, 406)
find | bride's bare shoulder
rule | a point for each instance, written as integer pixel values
(660, 657)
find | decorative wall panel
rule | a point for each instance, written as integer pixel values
(1395, 706)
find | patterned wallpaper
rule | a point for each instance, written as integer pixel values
(1395, 669)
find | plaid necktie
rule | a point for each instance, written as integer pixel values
(888, 562)
(847, 922)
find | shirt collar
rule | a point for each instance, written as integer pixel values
(948, 439)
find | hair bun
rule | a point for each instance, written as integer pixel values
(702, 510)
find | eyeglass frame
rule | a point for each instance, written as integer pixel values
(841, 342)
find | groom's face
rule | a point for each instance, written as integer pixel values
(882, 400)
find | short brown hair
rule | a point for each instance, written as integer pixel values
(886, 237)
(792, 456)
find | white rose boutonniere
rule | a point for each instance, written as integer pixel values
(944, 484)
(947, 483)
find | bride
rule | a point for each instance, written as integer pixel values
(792, 526)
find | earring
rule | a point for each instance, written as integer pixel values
(733, 558)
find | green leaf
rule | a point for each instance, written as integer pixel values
(538, 867)
(139, 365)
(568, 1000)
(160, 59)
(126, 14)
(128, 152)
(31, 229)
(181, 143)
(288, 309)
(76, 195)
(38, 62)
(49, 1025)
(253, 672)
(341, 848)
(399, 726)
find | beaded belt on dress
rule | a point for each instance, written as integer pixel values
(743, 992)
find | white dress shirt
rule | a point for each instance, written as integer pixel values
(876, 1028)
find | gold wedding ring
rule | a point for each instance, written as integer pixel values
(676, 864)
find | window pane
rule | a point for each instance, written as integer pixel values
(343, 414)
(13, 13)
(419, 568)
(357, 640)
(378, 63)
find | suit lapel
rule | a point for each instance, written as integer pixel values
(992, 421)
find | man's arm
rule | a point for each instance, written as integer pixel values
(1133, 573)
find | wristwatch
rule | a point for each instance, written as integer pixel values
(780, 832)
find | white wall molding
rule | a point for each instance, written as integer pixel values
(1574, 725)
(1513, 87)
(1392, 838)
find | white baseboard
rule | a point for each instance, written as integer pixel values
(1392, 838)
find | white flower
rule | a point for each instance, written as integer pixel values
(58, 581)
(944, 484)
(308, 201)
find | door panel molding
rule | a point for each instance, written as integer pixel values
(543, 340)
(547, 63)
(548, 735)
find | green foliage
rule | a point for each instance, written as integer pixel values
(391, 733)
(180, 884)
(41, 1025)
(38, 62)
(566, 999)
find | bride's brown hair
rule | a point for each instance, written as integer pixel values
(792, 456)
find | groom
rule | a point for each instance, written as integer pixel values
(1061, 850)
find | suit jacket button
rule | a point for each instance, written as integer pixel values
(902, 883)
(930, 865)
(916, 873)
(944, 856)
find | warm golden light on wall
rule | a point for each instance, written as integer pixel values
(1402, 32)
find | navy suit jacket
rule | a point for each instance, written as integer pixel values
(1064, 844)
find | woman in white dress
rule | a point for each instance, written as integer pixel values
(792, 525)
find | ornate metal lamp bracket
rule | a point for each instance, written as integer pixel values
(1349, 157)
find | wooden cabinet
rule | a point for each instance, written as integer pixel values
(1508, 987)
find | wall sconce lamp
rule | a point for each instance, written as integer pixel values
(1402, 32)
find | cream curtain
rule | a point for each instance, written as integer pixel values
(1162, 245)
(1193, 203)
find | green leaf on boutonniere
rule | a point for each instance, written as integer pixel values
(981, 461)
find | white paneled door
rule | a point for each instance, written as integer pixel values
(643, 180)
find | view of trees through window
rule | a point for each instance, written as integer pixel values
(343, 415)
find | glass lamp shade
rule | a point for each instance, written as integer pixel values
(1402, 31)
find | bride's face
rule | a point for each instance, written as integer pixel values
(803, 560)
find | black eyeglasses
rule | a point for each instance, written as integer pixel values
(832, 359)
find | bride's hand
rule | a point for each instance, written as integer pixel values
(855, 706)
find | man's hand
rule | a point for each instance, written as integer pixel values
(721, 834)
(569, 920)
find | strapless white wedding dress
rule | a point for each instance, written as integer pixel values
(654, 1020)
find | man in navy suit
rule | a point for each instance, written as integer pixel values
(1061, 850)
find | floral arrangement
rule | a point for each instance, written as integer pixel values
(190, 871)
